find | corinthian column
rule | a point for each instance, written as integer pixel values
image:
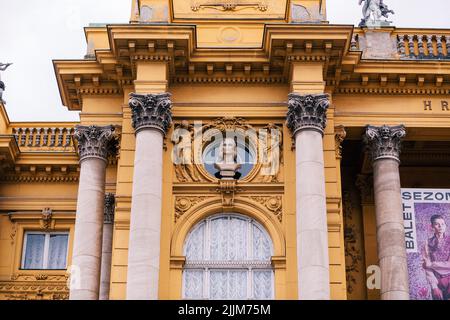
(384, 144)
(108, 226)
(94, 145)
(152, 117)
(306, 119)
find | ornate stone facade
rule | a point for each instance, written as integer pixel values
(151, 111)
(384, 142)
(307, 112)
(95, 141)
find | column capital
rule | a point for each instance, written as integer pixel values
(110, 201)
(96, 141)
(307, 112)
(151, 111)
(384, 142)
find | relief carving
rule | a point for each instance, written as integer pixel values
(228, 189)
(263, 148)
(353, 255)
(339, 136)
(182, 138)
(13, 233)
(184, 203)
(47, 221)
(273, 203)
(271, 151)
(229, 5)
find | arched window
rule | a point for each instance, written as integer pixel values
(228, 257)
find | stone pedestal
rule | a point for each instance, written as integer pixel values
(151, 120)
(307, 120)
(108, 227)
(94, 144)
(384, 143)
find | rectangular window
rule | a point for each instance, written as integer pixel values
(45, 250)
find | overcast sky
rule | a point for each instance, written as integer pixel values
(33, 32)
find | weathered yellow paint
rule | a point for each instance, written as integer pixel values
(215, 63)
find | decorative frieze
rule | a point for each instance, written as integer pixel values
(110, 202)
(384, 142)
(307, 112)
(151, 111)
(95, 141)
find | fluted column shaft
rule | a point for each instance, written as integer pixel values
(151, 120)
(94, 144)
(384, 143)
(307, 120)
(108, 227)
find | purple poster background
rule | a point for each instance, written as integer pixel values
(419, 287)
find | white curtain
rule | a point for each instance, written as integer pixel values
(34, 252)
(193, 280)
(215, 243)
(262, 284)
(57, 251)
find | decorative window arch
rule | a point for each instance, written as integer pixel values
(228, 257)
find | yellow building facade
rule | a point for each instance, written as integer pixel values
(271, 72)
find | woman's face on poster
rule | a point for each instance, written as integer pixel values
(439, 226)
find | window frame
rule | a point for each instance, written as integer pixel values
(207, 265)
(46, 248)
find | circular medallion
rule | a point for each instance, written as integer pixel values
(230, 34)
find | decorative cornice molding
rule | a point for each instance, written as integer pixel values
(151, 111)
(40, 178)
(99, 91)
(393, 90)
(110, 202)
(95, 141)
(384, 142)
(230, 79)
(307, 112)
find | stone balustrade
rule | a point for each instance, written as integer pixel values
(408, 44)
(423, 46)
(58, 138)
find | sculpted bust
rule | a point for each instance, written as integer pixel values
(226, 162)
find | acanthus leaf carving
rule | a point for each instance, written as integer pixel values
(151, 111)
(384, 142)
(273, 203)
(96, 141)
(184, 203)
(307, 112)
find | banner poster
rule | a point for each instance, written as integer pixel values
(426, 214)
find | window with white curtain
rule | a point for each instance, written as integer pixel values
(228, 257)
(45, 250)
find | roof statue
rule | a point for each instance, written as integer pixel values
(3, 67)
(373, 11)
